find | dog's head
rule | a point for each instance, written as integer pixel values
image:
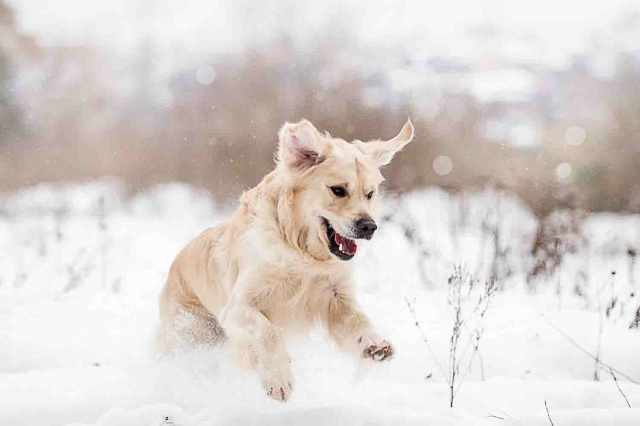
(332, 188)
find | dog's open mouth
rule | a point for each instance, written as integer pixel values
(342, 247)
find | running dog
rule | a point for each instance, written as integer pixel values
(283, 259)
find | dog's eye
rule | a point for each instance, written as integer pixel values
(370, 195)
(339, 191)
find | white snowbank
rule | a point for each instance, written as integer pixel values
(78, 306)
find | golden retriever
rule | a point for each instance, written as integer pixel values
(282, 261)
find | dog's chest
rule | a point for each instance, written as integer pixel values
(300, 299)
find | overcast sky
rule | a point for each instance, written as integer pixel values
(122, 21)
(546, 32)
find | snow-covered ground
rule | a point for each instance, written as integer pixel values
(81, 267)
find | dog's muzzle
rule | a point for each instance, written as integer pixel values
(366, 227)
(340, 246)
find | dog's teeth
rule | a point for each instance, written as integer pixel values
(342, 246)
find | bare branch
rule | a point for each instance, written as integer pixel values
(424, 338)
(615, 379)
(586, 352)
(472, 358)
(548, 415)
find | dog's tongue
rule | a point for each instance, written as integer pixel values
(346, 245)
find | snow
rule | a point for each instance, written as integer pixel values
(79, 280)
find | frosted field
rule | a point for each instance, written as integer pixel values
(81, 267)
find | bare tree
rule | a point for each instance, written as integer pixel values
(469, 302)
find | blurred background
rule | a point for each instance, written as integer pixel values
(129, 126)
(541, 98)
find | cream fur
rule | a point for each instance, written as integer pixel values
(269, 268)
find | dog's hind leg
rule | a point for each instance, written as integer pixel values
(190, 325)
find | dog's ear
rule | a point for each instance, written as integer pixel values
(381, 152)
(300, 145)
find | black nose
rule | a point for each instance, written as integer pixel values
(366, 227)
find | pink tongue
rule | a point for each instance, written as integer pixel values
(348, 246)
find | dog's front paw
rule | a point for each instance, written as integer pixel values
(381, 351)
(278, 386)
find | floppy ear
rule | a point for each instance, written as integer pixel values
(300, 145)
(381, 152)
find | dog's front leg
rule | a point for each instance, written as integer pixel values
(256, 343)
(353, 331)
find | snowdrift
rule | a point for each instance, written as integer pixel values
(81, 267)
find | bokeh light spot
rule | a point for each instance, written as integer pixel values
(442, 165)
(575, 135)
(563, 171)
(205, 75)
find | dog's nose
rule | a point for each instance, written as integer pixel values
(366, 227)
